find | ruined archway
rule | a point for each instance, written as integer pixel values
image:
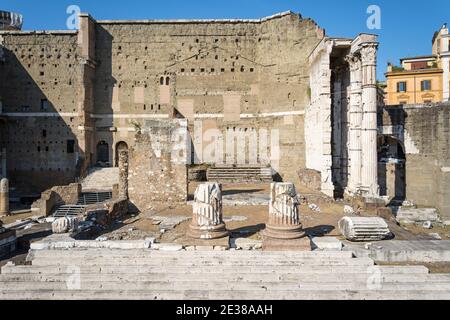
(392, 168)
(120, 146)
(103, 153)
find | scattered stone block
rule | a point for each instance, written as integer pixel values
(65, 225)
(167, 247)
(364, 228)
(348, 209)
(407, 215)
(245, 244)
(220, 248)
(326, 244)
(204, 248)
(435, 236)
(427, 225)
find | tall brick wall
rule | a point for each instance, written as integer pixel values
(425, 135)
(39, 79)
(100, 84)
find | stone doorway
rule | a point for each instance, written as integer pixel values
(103, 154)
(392, 168)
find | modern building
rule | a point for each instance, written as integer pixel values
(421, 79)
(10, 21)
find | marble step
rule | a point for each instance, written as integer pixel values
(243, 277)
(224, 295)
(280, 270)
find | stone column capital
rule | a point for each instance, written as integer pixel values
(354, 61)
(369, 53)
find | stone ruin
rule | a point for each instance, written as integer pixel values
(65, 225)
(4, 197)
(284, 218)
(364, 228)
(207, 220)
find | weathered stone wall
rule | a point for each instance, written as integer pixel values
(245, 79)
(57, 196)
(424, 132)
(230, 77)
(38, 85)
(157, 173)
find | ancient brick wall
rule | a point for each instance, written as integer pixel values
(157, 171)
(239, 76)
(424, 132)
(39, 82)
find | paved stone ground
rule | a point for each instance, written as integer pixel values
(244, 221)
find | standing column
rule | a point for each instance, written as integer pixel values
(4, 197)
(284, 219)
(207, 221)
(369, 122)
(355, 118)
(123, 174)
(337, 127)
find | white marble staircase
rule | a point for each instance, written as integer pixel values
(235, 275)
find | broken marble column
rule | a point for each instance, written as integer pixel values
(123, 174)
(4, 197)
(364, 228)
(207, 221)
(65, 225)
(284, 218)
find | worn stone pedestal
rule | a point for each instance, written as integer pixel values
(284, 221)
(302, 244)
(207, 222)
(4, 197)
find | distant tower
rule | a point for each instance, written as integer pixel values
(10, 21)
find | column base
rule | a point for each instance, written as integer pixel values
(302, 244)
(207, 232)
(284, 232)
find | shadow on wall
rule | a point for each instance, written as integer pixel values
(391, 155)
(41, 145)
(104, 84)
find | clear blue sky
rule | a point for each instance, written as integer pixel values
(406, 30)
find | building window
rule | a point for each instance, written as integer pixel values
(425, 85)
(70, 146)
(167, 81)
(401, 86)
(44, 104)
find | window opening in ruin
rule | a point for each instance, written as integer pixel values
(161, 80)
(103, 153)
(167, 81)
(70, 146)
(44, 104)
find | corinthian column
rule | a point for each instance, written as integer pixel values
(369, 121)
(354, 120)
(207, 220)
(284, 219)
